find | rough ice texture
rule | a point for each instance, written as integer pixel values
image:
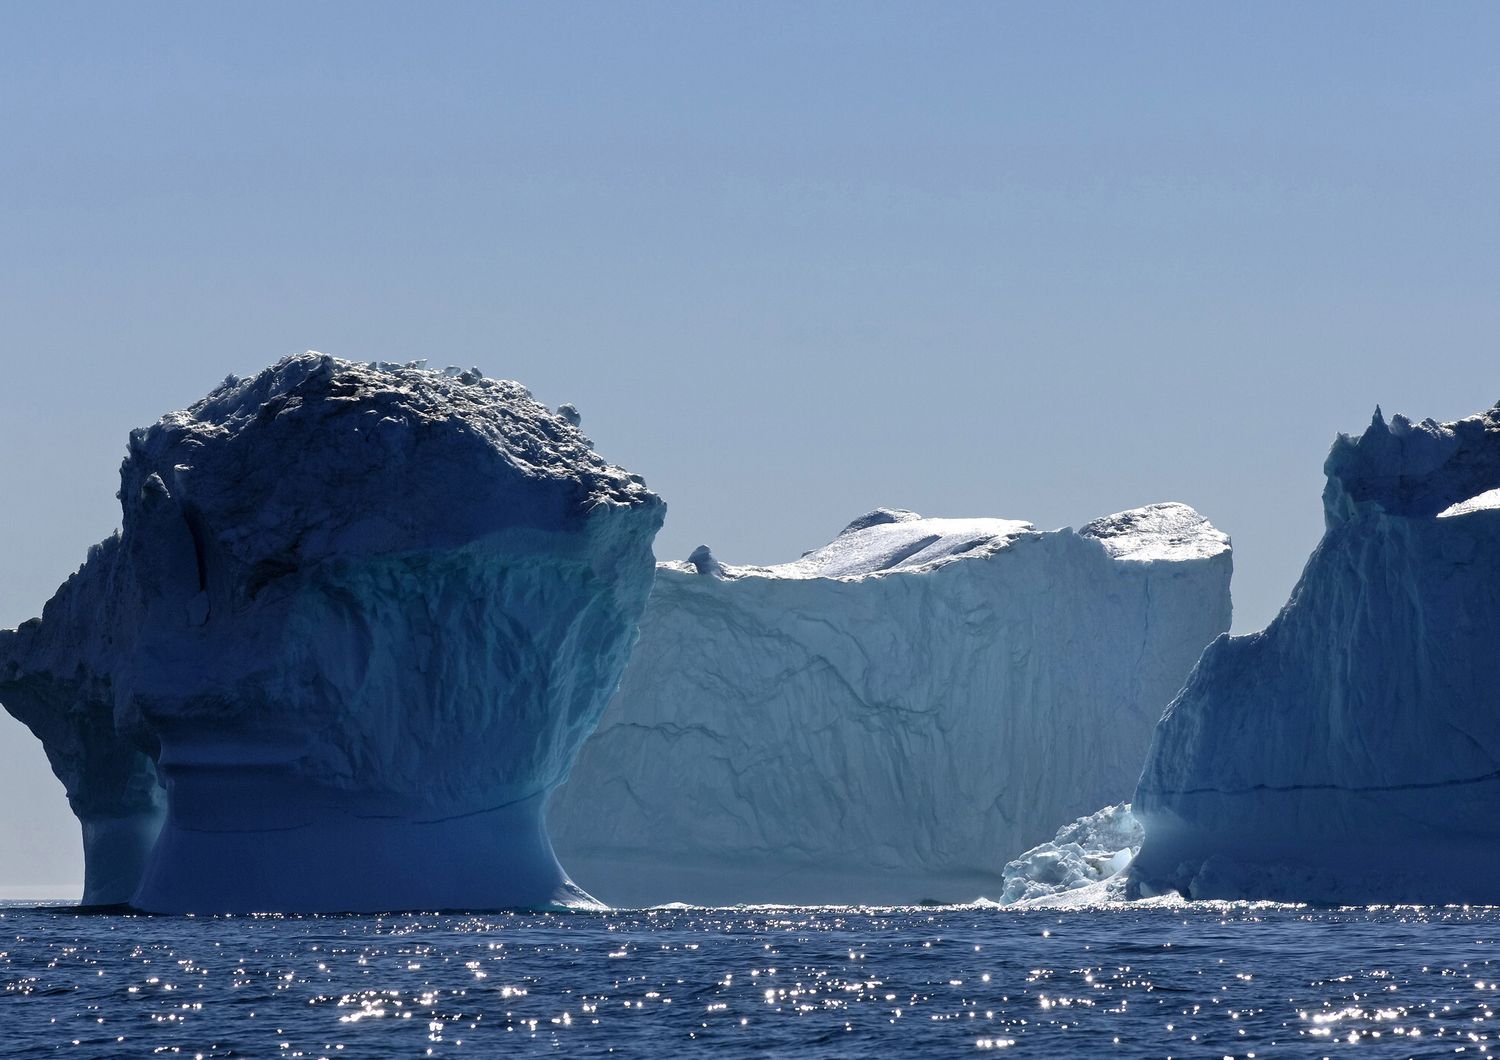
(1350, 752)
(360, 617)
(1084, 864)
(892, 717)
(56, 676)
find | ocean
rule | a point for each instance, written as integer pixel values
(1198, 980)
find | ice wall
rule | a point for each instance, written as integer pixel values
(364, 616)
(56, 676)
(892, 717)
(1350, 752)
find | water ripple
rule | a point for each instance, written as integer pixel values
(1220, 981)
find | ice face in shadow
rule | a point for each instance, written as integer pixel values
(1350, 752)
(891, 717)
(56, 676)
(363, 618)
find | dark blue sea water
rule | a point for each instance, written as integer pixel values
(1137, 982)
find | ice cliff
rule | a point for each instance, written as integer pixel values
(56, 676)
(891, 717)
(1350, 752)
(358, 620)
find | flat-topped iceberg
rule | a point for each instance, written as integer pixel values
(358, 620)
(1350, 752)
(893, 716)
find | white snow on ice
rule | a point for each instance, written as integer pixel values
(1486, 501)
(888, 540)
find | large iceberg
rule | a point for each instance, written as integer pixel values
(1350, 752)
(891, 717)
(358, 621)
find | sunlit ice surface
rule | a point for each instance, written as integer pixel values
(1199, 980)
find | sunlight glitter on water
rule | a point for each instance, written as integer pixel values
(1235, 981)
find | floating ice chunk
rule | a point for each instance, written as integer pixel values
(1092, 850)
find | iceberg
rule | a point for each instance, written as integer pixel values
(1350, 751)
(56, 678)
(891, 717)
(357, 623)
(1084, 864)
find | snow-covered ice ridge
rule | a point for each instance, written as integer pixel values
(891, 717)
(358, 620)
(1350, 752)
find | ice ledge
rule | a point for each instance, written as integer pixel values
(898, 541)
(1484, 502)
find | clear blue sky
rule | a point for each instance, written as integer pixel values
(792, 261)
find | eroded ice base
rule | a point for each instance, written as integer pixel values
(115, 851)
(1325, 846)
(252, 837)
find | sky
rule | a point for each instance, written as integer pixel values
(791, 261)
